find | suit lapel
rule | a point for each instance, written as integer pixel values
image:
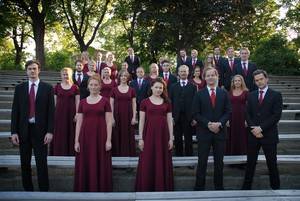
(39, 92)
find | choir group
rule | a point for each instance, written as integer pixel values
(98, 111)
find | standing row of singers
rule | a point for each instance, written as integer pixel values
(167, 107)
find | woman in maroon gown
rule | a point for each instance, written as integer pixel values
(93, 165)
(107, 83)
(153, 73)
(196, 80)
(155, 169)
(123, 103)
(66, 96)
(237, 134)
(109, 62)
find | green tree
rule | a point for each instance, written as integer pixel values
(276, 56)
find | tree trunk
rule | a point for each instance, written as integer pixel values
(18, 47)
(38, 26)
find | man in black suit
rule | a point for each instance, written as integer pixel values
(80, 79)
(133, 62)
(195, 61)
(212, 109)
(32, 124)
(181, 96)
(246, 68)
(263, 113)
(228, 66)
(141, 87)
(183, 59)
(218, 60)
(167, 75)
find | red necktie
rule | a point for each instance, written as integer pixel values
(194, 63)
(166, 78)
(31, 101)
(260, 98)
(78, 79)
(213, 97)
(245, 69)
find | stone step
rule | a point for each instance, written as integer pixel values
(61, 179)
(289, 144)
(263, 195)
(285, 126)
(5, 104)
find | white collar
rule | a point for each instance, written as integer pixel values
(209, 88)
(36, 82)
(264, 89)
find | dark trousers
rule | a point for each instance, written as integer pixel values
(35, 142)
(183, 128)
(270, 151)
(203, 153)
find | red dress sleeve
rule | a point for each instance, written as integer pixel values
(143, 105)
(80, 109)
(107, 107)
(169, 107)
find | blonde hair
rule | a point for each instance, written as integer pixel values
(125, 72)
(243, 85)
(69, 72)
(208, 69)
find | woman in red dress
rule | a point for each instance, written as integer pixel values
(237, 135)
(123, 103)
(109, 62)
(66, 96)
(155, 169)
(153, 73)
(93, 165)
(107, 83)
(91, 68)
(197, 81)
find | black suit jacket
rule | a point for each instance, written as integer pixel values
(182, 100)
(249, 77)
(132, 66)
(141, 93)
(83, 86)
(227, 72)
(44, 111)
(203, 112)
(266, 115)
(187, 62)
(219, 67)
(172, 80)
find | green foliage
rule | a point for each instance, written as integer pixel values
(59, 59)
(277, 57)
(7, 61)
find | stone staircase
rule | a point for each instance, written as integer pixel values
(61, 177)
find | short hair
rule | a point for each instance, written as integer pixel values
(217, 46)
(95, 77)
(229, 48)
(78, 61)
(245, 48)
(140, 68)
(165, 61)
(91, 62)
(260, 71)
(208, 69)
(183, 66)
(194, 50)
(30, 62)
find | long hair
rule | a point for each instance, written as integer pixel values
(243, 85)
(121, 72)
(164, 94)
(69, 72)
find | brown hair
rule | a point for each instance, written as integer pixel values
(197, 67)
(243, 86)
(95, 77)
(123, 71)
(260, 71)
(28, 63)
(164, 94)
